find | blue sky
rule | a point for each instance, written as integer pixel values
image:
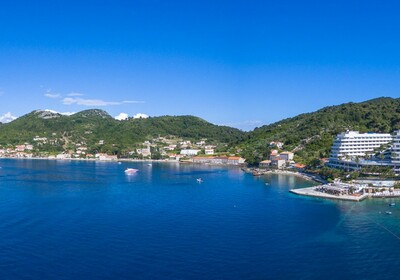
(240, 63)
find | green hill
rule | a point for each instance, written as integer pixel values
(183, 126)
(311, 135)
(90, 126)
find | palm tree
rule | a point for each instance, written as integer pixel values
(357, 161)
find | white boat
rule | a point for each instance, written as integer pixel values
(388, 213)
(199, 180)
(130, 171)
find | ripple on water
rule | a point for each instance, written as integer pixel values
(85, 220)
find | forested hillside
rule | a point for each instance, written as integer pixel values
(311, 135)
(90, 126)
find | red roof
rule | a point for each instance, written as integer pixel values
(200, 157)
(299, 165)
(279, 158)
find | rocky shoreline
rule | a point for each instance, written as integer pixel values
(304, 175)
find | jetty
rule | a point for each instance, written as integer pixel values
(347, 191)
(314, 192)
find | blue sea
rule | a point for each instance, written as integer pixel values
(88, 220)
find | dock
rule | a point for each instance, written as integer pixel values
(312, 192)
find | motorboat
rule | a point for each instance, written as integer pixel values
(130, 171)
(388, 213)
(392, 204)
(199, 180)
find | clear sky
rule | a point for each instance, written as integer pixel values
(240, 63)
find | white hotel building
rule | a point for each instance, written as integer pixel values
(396, 148)
(352, 145)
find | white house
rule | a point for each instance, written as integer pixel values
(144, 152)
(288, 156)
(278, 162)
(105, 157)
(209, 151)
(20, 148)
(279, 145)
(190, 152)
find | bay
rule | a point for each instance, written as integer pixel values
(88, 220)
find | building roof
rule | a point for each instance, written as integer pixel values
(278, 158)
(234, 158)
(299, 165)
(274, 152)
(203, 157)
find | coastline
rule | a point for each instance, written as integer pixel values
(124, 160)
(92, 159)
(305, 176)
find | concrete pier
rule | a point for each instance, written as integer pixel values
(312, 192)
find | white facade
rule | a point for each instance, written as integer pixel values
(352, 144)
(396, 147)
(279, 145)
(288, 156)
(63, 156)
(170, 147)
(190, 152)
(278, 163)
(144, 152)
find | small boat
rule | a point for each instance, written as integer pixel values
(199, 180)
(392, 204)
(388, 213)
(130, 171)
(267, 184)
(149, 164)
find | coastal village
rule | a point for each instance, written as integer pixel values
(166, 148)
(351, 151)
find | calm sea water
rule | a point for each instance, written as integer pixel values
(88, 220)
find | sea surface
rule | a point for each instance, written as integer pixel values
(88, 220)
